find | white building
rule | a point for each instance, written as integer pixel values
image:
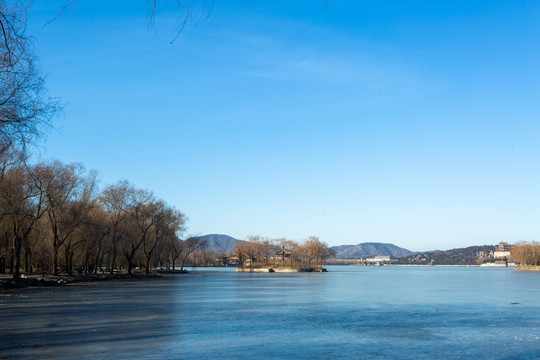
(501, 254)
(379, 259)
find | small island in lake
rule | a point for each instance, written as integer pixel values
(264, 255)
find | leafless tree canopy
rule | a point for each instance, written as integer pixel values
(526, 253)
(25, 106)
(261, 252)
(188, 11)
(54, 219)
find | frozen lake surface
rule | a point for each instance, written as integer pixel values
(347, 313)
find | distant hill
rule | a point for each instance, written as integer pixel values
(461, 256)
(220, 243)
(369, 249)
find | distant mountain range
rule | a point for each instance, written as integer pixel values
(461, 256)
(369, 249)
(221, 243)
(225, 244)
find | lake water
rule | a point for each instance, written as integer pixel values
(347, 313)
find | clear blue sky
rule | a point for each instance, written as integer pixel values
(410, 122)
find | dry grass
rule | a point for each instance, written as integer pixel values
(528, 268)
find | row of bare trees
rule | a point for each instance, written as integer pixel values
(53, 218)
(260, 250)
(526, 253)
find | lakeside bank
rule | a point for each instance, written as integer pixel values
(36, 281)
(528, 268)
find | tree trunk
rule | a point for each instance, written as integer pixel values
(113, 253)
(3, 258)
(55, 248)
(129, 264)
(27, 260)
(17, 253)
(148, 264)
(55, 259)
(113, 259)
(114, 249)
(86, 259)
(99, 261)
(183, 262)
(70, 263)
(66, 259)
(11, 262)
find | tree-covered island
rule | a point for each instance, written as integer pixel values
(282, 255)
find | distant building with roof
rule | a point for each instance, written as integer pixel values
(502, 251)
(282, 254)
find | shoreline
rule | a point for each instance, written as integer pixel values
(425, 265)
(278, 270)
(528, 268)
(9, 284)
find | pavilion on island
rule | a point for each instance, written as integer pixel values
(282, 254)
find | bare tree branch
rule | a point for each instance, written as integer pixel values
(25, 106)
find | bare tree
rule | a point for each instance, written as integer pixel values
(526, 253)
(315, 250)
(25, 106)
(263, 248)
(69, 195)
(204, 257)
(175, 247)
(79, 211)
(188, 11)
(168, 223)
(42, 251)
(191, 245)
(291, 247)
(245, 251)
(8, 159)
(22, 200)
(144, 212)
(5, 253)
(311, 248)
(115, 199)
(93, 233)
